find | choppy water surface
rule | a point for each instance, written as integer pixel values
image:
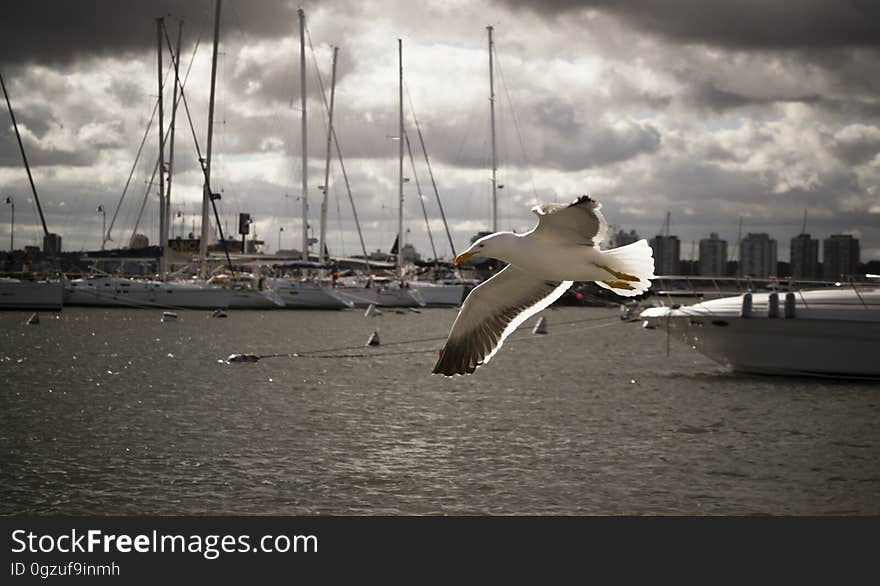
(111, 411)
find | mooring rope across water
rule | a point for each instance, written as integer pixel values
(328, 353)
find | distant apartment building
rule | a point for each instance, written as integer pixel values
(757, 256)
(840, 256)
(804, 257)
(713, 256)
(621, 238)
(667, 252)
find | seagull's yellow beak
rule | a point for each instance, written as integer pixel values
(462, 257)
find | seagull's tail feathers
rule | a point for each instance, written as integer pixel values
(632, 268)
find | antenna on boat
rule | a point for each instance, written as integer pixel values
(492, 118)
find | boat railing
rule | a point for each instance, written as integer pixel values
(717, 287)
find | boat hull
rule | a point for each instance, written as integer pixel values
(254, 299)
(832, 333)
(438, 295)
(48, 296)
(794, 347)
(306, 295)
(383, 296)
(107, 292)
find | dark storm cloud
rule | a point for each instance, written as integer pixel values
(38, 155)
(59, 32)
(742, 24)
(856, 144)
(706, 94)
(570, 143)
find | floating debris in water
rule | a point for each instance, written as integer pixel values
(33, 320)
(169, 316)
(372, 311)
(242, 358)
(219, 313)
(414, 310)
(374, 339)
(541, 326)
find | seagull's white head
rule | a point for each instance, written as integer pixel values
(498, 245)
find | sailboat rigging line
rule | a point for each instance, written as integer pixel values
(201, 159)
(24, 156)
(341, 161)
(421, 197)
(333, 352)
(156, 166)
(137, 221)
(106, 237)
(516, 125)
(430, 173)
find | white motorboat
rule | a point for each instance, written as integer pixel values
(121, 292)
(831, 332)
(18, 294)
(308, 295)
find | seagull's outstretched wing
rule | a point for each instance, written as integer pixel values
(492, 312)
(580, 222)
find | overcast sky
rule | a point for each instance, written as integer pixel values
(710, 110)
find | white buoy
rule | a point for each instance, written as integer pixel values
(541, 326)
(218, 313)
(374, 339)
(372, 311)
(169, 316)
(34, 319)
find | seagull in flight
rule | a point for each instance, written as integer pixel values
(541, 265)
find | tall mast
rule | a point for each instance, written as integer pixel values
(176, 61)
(24, 157)
(400, 174)
(492, 114)
(323, 238)
(206, 191)
(305, 129)
(162, 209)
